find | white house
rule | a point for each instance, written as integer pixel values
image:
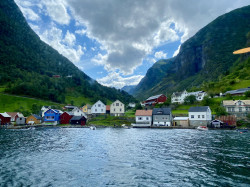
(199, 116)
(132, 105)
(98, 108)
(239, 108)
(178, 97)
(44, 109)
(117, 108)
(143, 118)
(77, 112)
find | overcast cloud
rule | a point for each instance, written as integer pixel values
(128, 32)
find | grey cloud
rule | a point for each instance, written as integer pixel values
(123, 25)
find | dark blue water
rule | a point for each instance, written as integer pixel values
(123, 157)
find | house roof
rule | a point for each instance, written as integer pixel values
(154, 97)
(143, 112)
(177, 94)
(77, 117)
(232, 102)
(12, 114)
(198, 109)
(239, 91)
(107, 107)
(161, 111)
(181, 118)
(5, 115)
(37, 117)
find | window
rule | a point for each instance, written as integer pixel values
(232, 109)
(120, 109)
(199, 116)
(99, 105)
(240, 109)
(102, 110)
(192, 116)
(117, 104)
(139, 118)
(146, 118)
(96, 110)
(203, 116)
(246, 109)
(114, 109)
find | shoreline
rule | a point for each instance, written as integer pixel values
(100, 126)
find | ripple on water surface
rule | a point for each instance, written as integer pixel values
(123, 157)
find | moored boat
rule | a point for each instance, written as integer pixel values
(202, 128)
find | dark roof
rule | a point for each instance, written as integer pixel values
(161, 111)
(239, 91)
(37, 117)
(154, 97)
(77, 117)
(198, 109)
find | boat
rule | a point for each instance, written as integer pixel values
(242, 130)
(202, 128)
(92, 128)
(125, 126)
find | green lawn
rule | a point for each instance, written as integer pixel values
(130, 113)
(109, 121)
(10, 103)
(77, 101)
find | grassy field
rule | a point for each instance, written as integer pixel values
(10, 103)
(110, 121)
(130, 113)
(77, 101)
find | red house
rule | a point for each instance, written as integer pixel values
(65, 117)
(4, 118)
(157, 99)
(78, 120)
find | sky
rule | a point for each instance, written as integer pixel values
(116, 41)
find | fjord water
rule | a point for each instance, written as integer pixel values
(123, 157)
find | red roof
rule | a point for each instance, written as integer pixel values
(143, 113)
(107, 107)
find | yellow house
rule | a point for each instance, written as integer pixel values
(86, 109)
(34, 119)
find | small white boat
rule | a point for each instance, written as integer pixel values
(92, 128)
(202, 128)
(125, 126)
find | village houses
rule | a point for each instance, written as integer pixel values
(162, 117)
(178, 97)
(156, 99)
(199, 116)
(33, 119)
(239, 108)
(143, 118)
(5, 118)
(98, 108)
(86, 109)
(117, 108)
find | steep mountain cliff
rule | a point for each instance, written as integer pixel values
(202, 58)
(31, 67)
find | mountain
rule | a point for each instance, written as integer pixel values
(31, 67)
(129, 89)
(205, 57)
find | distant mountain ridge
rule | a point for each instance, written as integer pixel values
(204, 57)
(129, 89)
(31, 67)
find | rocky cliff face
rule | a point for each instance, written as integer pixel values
(205, 56)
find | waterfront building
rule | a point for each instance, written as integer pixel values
(199, 116)
(34, 119)
(239, 108)
(98, 108)
(143, 118)
(162, 117)
(117, 108)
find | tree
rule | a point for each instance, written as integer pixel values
(247, 94)
(190, 99)
(220, 111)
(138, 106)
(207, 101)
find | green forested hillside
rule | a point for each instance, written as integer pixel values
(28, 65)
(205, 57)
